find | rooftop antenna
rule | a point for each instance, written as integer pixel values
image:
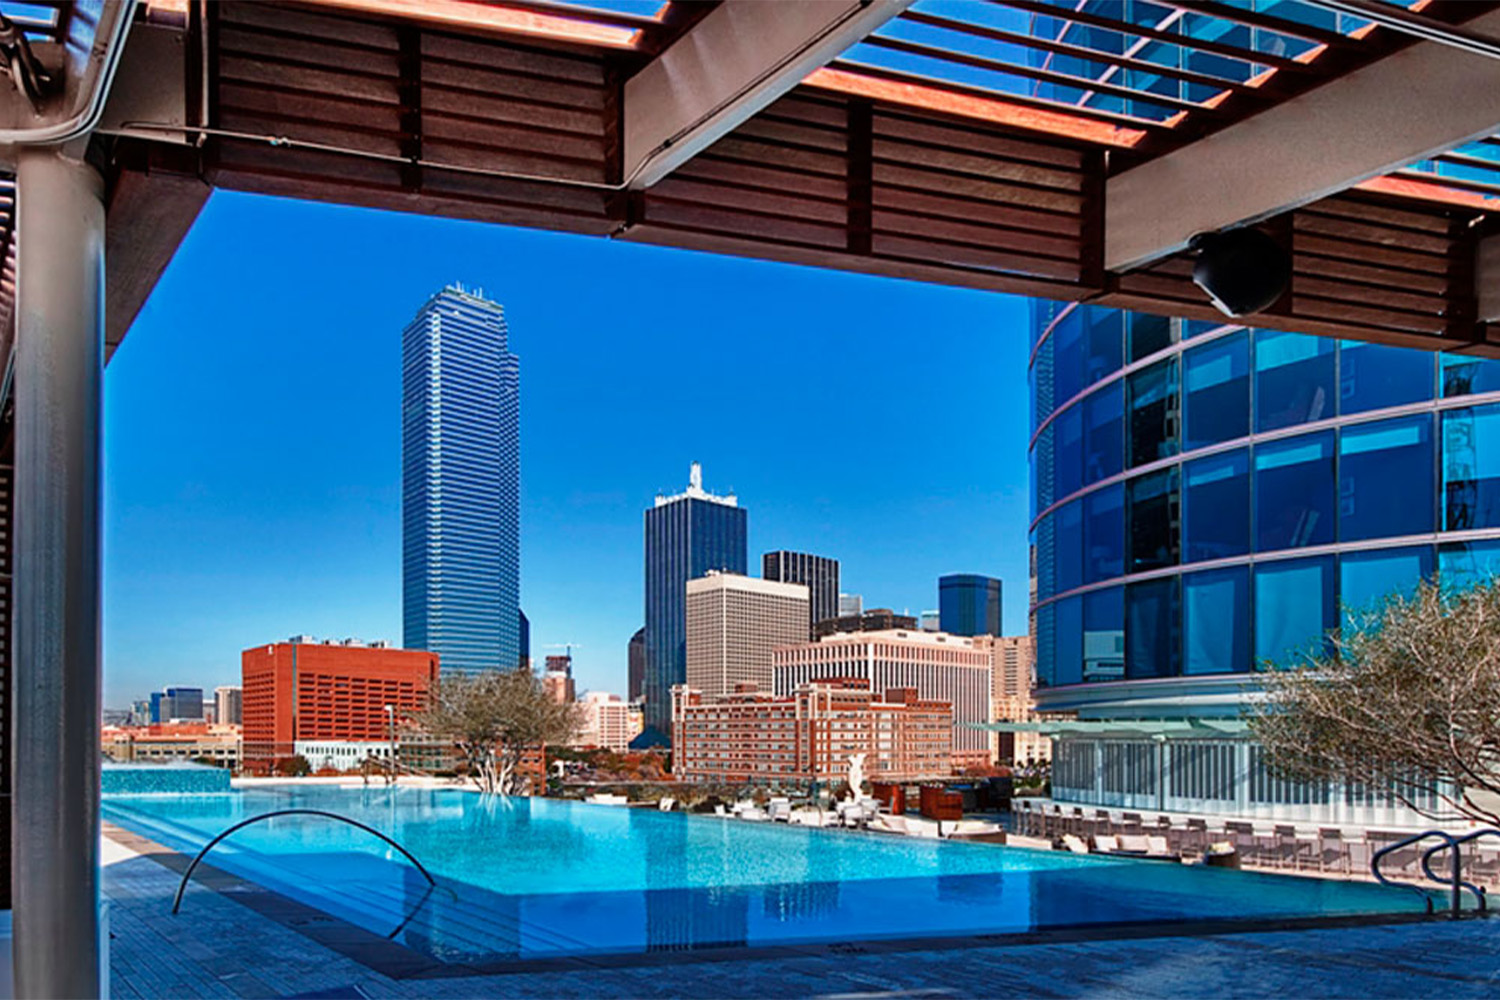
(695, 476)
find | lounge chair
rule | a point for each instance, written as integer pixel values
(719, 810)
(1133, 843)
(1074, 844)
(1103, 844)
(666, 803)
(890, 824)
(780, 810)
(1157, 846)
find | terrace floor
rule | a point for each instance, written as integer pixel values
(235, 940)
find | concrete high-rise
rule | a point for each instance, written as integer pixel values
(687, 535)
(229, 705)
(461, 479)
(733, 624)
(818, 573)
(969, 604)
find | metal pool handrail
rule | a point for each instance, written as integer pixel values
(182, 886)
(1379, 856)
(1457, 863)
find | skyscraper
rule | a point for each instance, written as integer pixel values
(636, 666)
(819, 574)
(461, 478)
(687, 535)
(733, 624)
(969, 604)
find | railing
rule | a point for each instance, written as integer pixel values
(1455, 881)
(182, 886)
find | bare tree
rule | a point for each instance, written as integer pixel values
(1407, 702)
(494, 719)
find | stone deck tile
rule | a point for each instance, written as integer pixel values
(220, 948)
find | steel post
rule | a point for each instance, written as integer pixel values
(58, 375)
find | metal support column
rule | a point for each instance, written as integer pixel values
(58, 375)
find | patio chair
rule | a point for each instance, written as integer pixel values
(1333, 853)
(780, 810)
(1158, 846)
(1131, 823)
(1134, 843)
(1285, 846)
(1102, 822)
(1242, 836)
(1196, 835)
(1103, 843)
(666, 803)
(1485, 867)
(1073, 844)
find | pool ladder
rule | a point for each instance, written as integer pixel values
(1455, 882)
(182, 886)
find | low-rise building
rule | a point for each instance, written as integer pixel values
(607, 723)
(162, 742)
(810, 734)
(938, 666)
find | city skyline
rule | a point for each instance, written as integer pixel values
(297, 497)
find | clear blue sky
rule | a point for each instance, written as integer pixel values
(252, 430)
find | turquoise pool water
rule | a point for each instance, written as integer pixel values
(524, 878)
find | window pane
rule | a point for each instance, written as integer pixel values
(1465, 376)
(1216, 621)
(1069, 624)
(1068, 462)
(1043, 391)
(1216, 506)
(1368, 579)
(1293, 379)
(1104, 534)
(1373, 375)
(1044, 469)
(1153, 412)
(1104, 433)
(1104, 635)
(1151, 629)
(1385, 479)
(1216, 391)
(1105, 341)
(1067, 357)
(1044, 549)
(1148, 334)
(1471, 468)
(1294, 492)
(1046, 645)
(1152, 517)
(1463, 565)
(1069, 542)
(1294, 608)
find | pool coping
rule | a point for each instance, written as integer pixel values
(397, 961)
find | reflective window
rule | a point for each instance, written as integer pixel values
(1068, 457)
(1464, 376)
(1044, 469)
(1044, 552)
(1216, 391)
(1152, 520)
(1293, 379)
(1385, 479)
(1372, 376)
(1046, 645)
(1294, 608)
(1216, 506)
(1471, 468)
(1153, 412)
(1069, 624)
(1152, 621)
(1105, 343)
(1043, 391)
(1104, 534)
(1462, 565)
(1197, 327)
(1104, 634)
(1368, 579)
(1104, 433)
(1294, 492)
(1216, 621)
(1148, 334)
(1068, 357)
(1069, 545)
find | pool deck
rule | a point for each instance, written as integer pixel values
(234, 940)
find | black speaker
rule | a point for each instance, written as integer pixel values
(1242, 270)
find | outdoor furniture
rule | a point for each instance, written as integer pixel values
(938, 803)
(666, 803)
(1104, 843)
(1130, 823)
(1102, 821)
(1197, 835)
(1333, 853)
(892, 796)
(1285, 846)
(780, 810)
(890, 824)
(1073, 844)
(719, 810)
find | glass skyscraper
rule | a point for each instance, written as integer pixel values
(686, 536)
(1209, 500)
(969, 604)
(461, 479)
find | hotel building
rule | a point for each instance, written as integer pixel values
(1208, 498)
(939, 667)
(460, 484)
(809, 734)
(818, 573)
(734, 623)
(301, 696)
(608, 722)
(687, 535)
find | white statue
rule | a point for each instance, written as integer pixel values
(856, 775)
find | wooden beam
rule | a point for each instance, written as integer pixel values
(149, 214)
(735, 61)
(1361, 125)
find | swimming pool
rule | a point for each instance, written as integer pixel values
(537, 878)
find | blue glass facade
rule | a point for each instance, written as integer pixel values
(1209, 498)
(461, 484)
(969, 604)
(686, 536)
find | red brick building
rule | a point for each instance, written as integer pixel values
(754, 736)
(302, 691)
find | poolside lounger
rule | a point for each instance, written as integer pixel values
(780, 810)
(1074, 844)
(1157, 847)
(890, 824)
(1104, 844)
(666, 804)
(719, 810)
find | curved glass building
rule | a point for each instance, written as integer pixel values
(1209, 498)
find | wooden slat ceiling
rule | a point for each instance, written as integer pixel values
(962, 143)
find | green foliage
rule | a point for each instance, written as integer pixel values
(1409, 699)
